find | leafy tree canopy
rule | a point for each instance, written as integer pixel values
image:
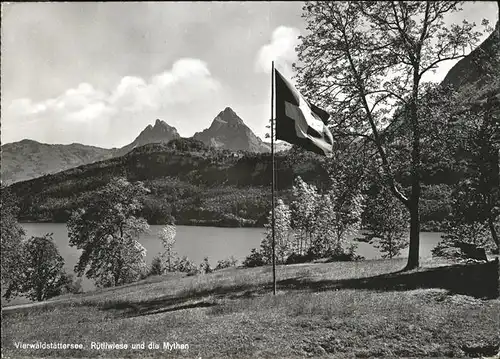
(107, 231)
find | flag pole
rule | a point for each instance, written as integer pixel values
(273, 179)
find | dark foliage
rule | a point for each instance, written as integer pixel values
(254, 259)
(184, 265)
(226, 263)
(205, 266)
(295, 258)
(11, 236)
(40, 271)
(156, 267)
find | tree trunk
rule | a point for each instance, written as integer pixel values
(169, 266)
(39, 293)
(117, 271)
(301, 240)
(413, 206)
(414, 250)
(494, 235)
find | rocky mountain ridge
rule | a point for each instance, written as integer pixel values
(161, 132)
(29, 159)
(230, 132)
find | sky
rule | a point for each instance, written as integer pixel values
(98, 73)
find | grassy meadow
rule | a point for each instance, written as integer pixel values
(337, 310)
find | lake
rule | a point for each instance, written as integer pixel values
(216, 243)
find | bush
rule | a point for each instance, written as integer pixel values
(184, 265)
(226, 263)
(157, 267)
(296, 258)
(476, 234)
(205, 267)
(334, 255)
(345, 255)
(71, 284)
(255, 259)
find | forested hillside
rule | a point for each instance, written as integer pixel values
(200, 186)
(194, 184)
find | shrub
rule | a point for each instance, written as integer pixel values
(184, 265)
(296, 258)
(71, 284)
(205, 267)
(476, 234)
(156, 266)
(255, 259)
(226, 263)
(345, 257)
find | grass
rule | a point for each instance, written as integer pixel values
(338, 310)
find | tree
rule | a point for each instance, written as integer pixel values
(388, 224)
(302, 210)
(282, 235)
(322, 230)
(347, 172)
(363, 60)
(167, 237)
(11, 238)
(335, 221)
(156, 266)
(41, 275)
(107, 231)
(477, 135)
(337, 210)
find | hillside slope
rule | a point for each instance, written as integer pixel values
(28, 159)
(479, 67)
(335, 310)
(194, 184)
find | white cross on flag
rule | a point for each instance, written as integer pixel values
(300, 122)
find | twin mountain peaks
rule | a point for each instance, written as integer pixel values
(227, 131)
(29, 159)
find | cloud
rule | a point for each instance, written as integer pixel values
(187, 81)
(82, 113)
(281, 49)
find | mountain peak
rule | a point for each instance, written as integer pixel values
(159, 124)
(229, 117)
(229, 110)
(229, 131)
(161, 132)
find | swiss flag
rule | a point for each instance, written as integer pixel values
(300, 122)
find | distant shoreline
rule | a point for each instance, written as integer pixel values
(207, 224)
